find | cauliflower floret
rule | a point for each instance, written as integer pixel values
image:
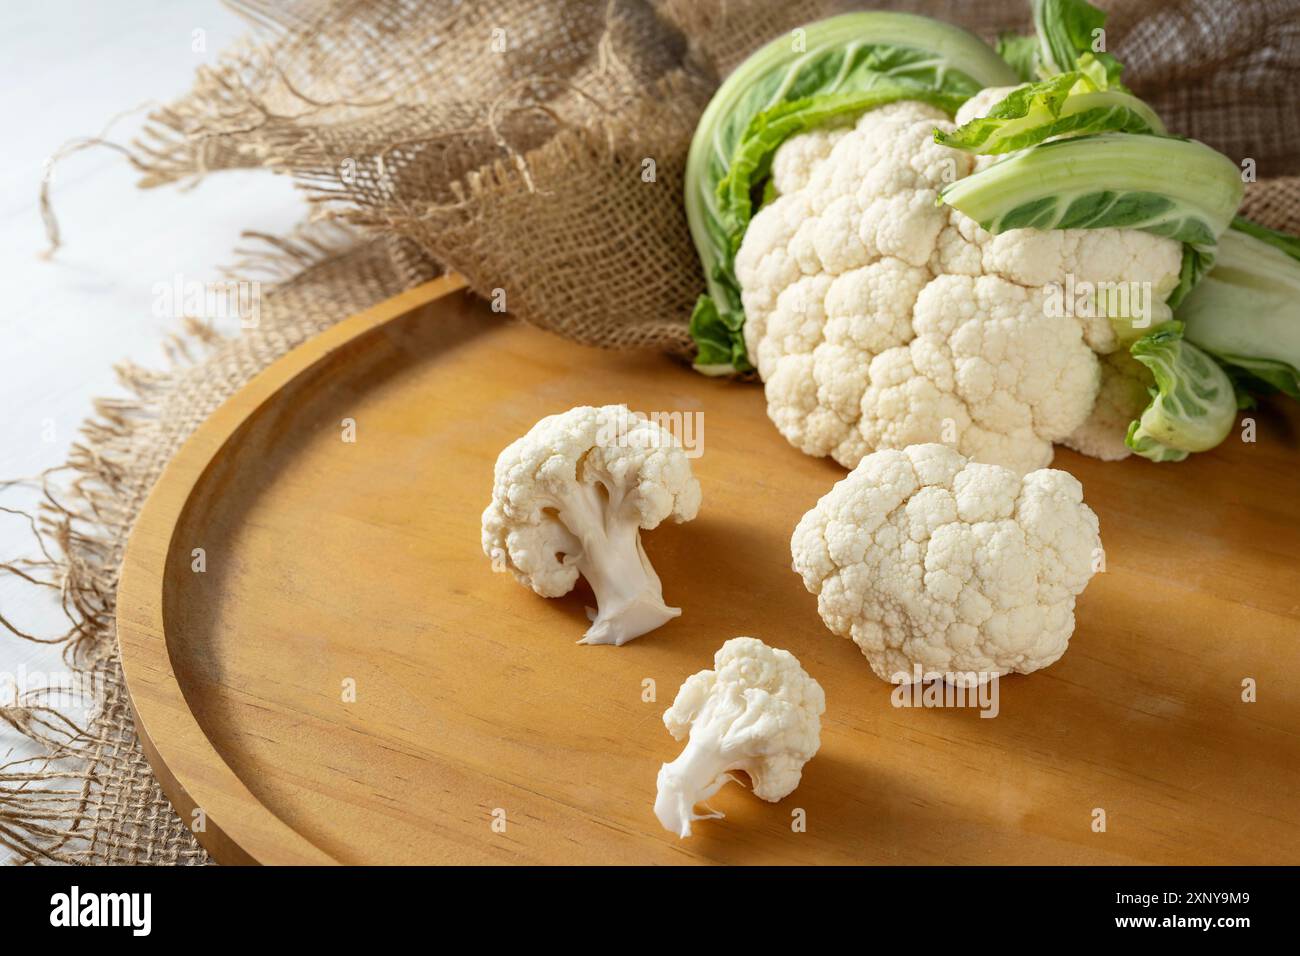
(792, 167)
(1010, 378)
(1124, 394)
(929, 561)
(571, 497)
(757, 711)
(878, 318)
(1141, 268)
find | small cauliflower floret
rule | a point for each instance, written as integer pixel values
(571, 497)
(877, 318)
(927, 560)
(757, 711)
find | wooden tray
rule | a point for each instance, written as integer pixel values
(330, 562)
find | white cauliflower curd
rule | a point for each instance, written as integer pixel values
(571, 498)
(927, 560)
(757, 711)
(879, 318)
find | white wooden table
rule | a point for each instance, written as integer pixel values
(66, 68)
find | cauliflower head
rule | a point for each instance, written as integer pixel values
(927, 560)
(756, 711)
(571, 498)
(878, 318)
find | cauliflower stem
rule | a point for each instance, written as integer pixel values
(629, 595)
(694, 777)
(1247, 311)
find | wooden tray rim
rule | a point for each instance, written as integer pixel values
(238, 828)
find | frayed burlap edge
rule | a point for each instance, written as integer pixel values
(83, 519)
(88, 794)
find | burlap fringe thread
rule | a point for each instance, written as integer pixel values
(44, 799)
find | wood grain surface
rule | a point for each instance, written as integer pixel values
(332, 564)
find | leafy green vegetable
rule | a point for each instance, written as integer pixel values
(1069, 37)
(1070, 31)
(1021, 54)
(1246, 312)
(1176, 188)
(1171, 187)
(719, 350)
(1103, 71)
(1068, 104)
(819, 68)
(1276, 238)
(1193, 404)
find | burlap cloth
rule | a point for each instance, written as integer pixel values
(535, 147)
